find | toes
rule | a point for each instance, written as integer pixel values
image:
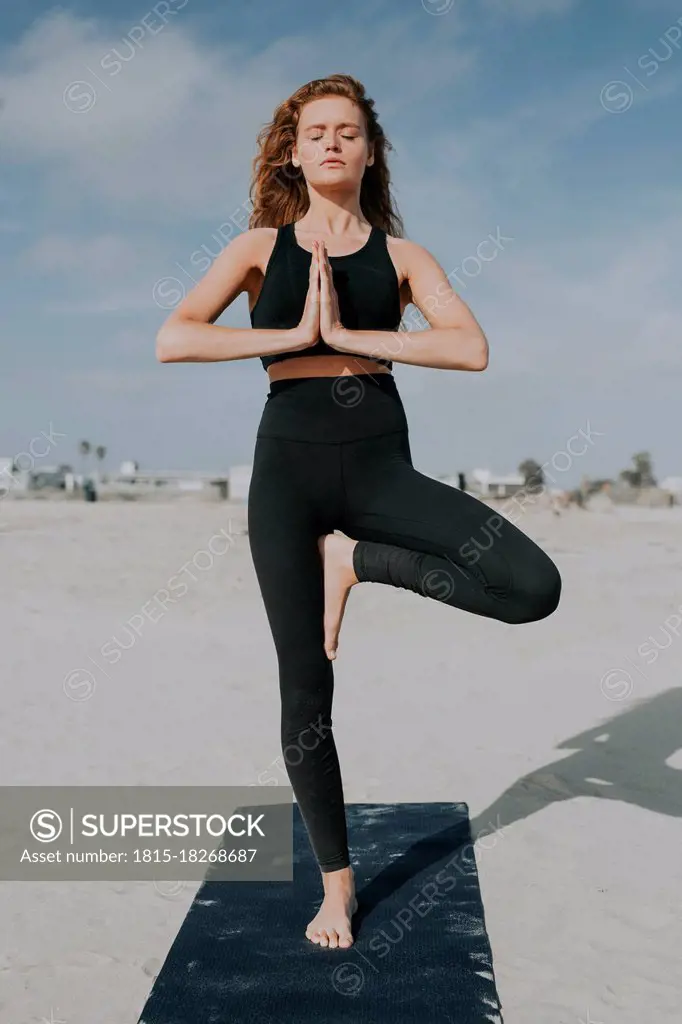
(345, 941)
(324, 938)
(333, 939)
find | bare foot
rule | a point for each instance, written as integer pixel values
(331, 926)
(337, 557)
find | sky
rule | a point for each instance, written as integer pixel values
(126, 143)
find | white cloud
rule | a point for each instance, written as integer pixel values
(619, 313)
(153, 134)
(520, 144)
(106, 273)
(530, 8)
(96, 256)
(110, 382)
(171, 139)
(174, 127)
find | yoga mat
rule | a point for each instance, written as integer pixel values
(421, 950)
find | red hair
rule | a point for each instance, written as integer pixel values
(278, 190)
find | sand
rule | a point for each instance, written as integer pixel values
(561, 736)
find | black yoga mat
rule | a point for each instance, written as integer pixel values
(421, 951)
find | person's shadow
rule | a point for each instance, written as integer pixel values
(622, 759)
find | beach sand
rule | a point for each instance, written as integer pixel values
(560, 735)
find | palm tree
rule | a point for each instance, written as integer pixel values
(100, 453)
(642, 475)
(531, 471)
(85, 448)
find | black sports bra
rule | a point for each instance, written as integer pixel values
(365, 281)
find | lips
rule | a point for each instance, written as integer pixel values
(339, 162)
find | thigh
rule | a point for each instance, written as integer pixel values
(389, 501)
(283, 533)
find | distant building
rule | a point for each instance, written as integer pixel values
(240, 478)
(6, 474)
(672, 484)
(487, 484)
(136, 482)
(48, 477)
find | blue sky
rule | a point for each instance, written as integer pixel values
(554, 124)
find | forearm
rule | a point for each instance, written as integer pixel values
(193, 341)
(443, 348)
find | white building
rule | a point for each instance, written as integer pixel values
(672, 484)
(240, 478)
(492, 485)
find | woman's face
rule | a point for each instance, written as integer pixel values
(332, 128)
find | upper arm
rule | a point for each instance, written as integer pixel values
(226, 278)
(431, 291)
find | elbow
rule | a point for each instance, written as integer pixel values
(166, 350)
(473, 351)
(479, 361)
(162, 350)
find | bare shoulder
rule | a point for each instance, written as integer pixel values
(259, 243)
(237, 268)
(408, 257)
(260, 235)
(254, 247)
(253, 244)
(407, 250)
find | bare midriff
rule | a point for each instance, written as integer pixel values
(324, 366)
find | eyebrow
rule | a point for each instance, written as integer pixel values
(344, 124)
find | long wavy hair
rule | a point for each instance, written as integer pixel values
(278, 190)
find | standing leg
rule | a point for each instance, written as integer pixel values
(283, 541)
(423, 535)
(283, 537)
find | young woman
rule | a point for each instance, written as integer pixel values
(328, 275)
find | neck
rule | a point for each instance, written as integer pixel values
(333, 217)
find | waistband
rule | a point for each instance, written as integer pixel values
(341, 384)
(332, 409)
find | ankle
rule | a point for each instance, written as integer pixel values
(338, 881)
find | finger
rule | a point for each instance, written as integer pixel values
(314, 283)
(328, 273)
(325, 297)
(325, 258)
(314, 296)
(324, 280)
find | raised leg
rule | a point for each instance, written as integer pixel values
(426, 536)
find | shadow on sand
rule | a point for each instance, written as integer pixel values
(621, 759)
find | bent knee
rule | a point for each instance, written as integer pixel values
(538, 596)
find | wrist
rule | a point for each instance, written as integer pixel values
(340, 338)
(296, 338)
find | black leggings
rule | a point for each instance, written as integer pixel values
(333, 453)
